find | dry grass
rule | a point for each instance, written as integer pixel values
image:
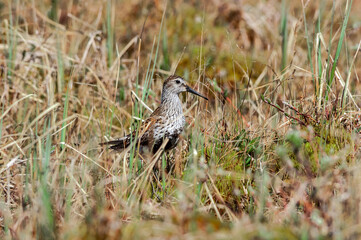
(274, 154)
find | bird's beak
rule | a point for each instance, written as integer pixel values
(195, 92)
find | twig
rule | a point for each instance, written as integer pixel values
(281, 110)
(298, 113)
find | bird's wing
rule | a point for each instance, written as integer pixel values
(145, 134)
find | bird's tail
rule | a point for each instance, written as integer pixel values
(118, 144)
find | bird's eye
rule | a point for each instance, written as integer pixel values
(177, 81)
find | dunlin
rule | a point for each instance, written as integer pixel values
(167, 121)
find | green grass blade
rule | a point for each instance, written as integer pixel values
(46, 225)
(329, 50)
(148, 77)
(11, 39)
(65, 115)
(109, 32)
(166, 62)
(318, 48)
(1, 122)
(156, 53)
(338, 50)
(345, 89)
(284, 35)
(53, 13)
(309, 49)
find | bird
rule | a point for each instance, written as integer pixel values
(167, 121)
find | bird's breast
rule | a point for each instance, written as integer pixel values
(169, 127)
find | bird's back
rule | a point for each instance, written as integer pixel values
(167, 121)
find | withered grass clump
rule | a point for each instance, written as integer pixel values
(274, 154)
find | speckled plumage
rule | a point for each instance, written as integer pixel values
(167, 121)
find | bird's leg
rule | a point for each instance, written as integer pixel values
(170, 160)
(154, 193)
(140, 163)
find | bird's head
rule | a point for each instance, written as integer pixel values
(175, 85)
